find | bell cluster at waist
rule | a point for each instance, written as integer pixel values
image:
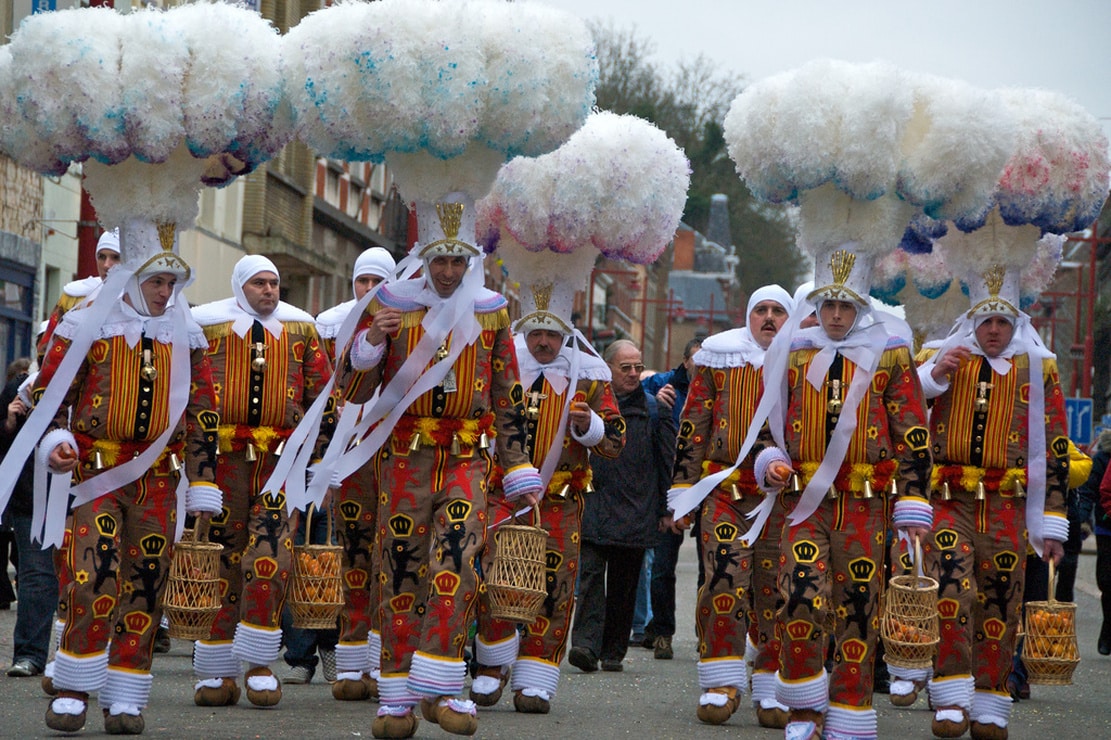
(1004, 481)
(461, 436)
(102, 454)
(238, 437)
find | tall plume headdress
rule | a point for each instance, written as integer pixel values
(617, 189)
(141, 100)
(863, 149)
(444, 93)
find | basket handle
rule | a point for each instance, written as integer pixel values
(533, 510)
(200, 529)
(1052, 582)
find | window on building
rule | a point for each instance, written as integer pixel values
(16, 332)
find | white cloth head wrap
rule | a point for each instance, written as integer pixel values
(245, 269)
(109, 240)
(375, 261)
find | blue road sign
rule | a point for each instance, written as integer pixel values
(1079, 411)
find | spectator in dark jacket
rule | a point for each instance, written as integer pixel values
(621, 518)
(37, 583)
(670, 389)
(1097, 491)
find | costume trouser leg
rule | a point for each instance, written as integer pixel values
(536, 665)
(257, 537)
(63, 568)
(831, 580)
(432, 524)
(121, 546)
(766, 603)
(724, 600)
(978, 556)
(357, 510)
(1103, 580)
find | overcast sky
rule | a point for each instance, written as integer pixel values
(1059, 45)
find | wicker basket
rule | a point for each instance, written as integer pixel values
(191, 599)
(316, 588)
(515, 583)
(910, 628)
(1049, 649)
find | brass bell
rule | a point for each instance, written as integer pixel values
(981, 403)
(563, 492)
(1019, 491)
(483, 441)
(981, 492)
(148, 373)
(98, 460)
(946, 494)
(456, 448)
(258, 362)
(893, 488)
(175, 462)
(280, 448)
(796, 483)
(588, 488)
(868, 493)
(833, 495)
(414, 443)
(251, 455)
(736, 492)
(835, 403)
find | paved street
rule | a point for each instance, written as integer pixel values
(650, 699)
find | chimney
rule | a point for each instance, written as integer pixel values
(717, 230)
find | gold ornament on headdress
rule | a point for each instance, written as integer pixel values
(841, 265)
(451, 218)
(542, 297)
(166, 236)
(993, 278)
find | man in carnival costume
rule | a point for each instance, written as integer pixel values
(439, 348)
(741, 578)
(1001, 450)
(80, 292)
(567, 423)
(855, 437)
(269, 367)
(142, 401)
(360, 639)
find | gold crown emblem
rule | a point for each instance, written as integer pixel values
(723, 603)
(209, 421)
(553, 559)
(1005, 561)
(445, 583)
(946, 539)
(841, 265)
(153, 545)
(862, 570)
(350, 510)
(725, 531)
(137, 622)
(355, 578)
(273, 500)
(402, 602)
(103, 606)
(994, 628)
(917, 438)
(1060, 447)
(805, 551)
(948, 608)
(106, 525)
(799, 629)
(458, 510)
(266, 568)
(401, 525)
(854, 650)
